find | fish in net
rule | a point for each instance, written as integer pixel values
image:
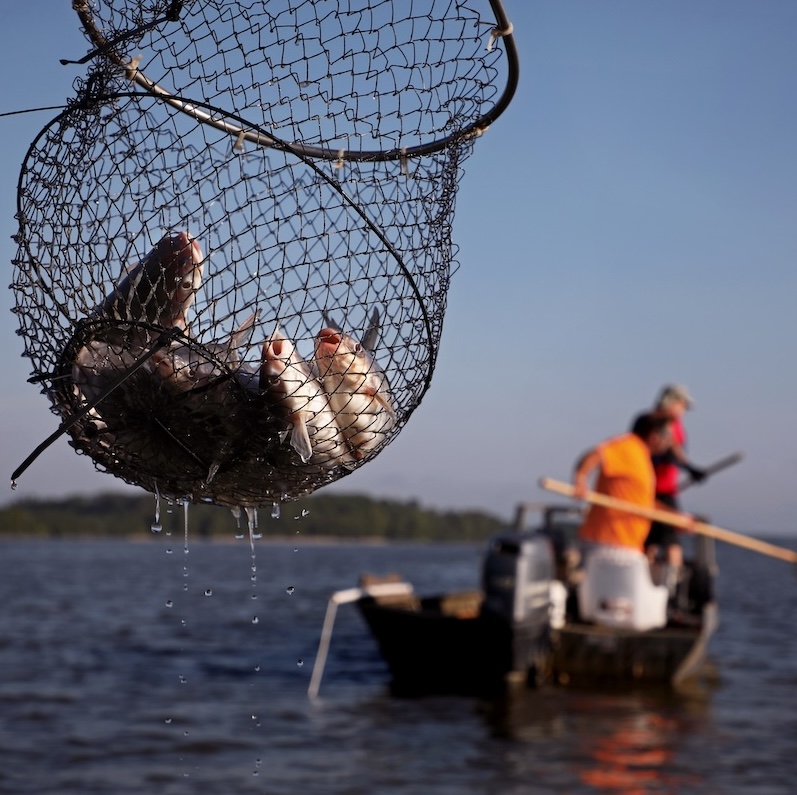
(235, 242)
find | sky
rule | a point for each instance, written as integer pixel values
(628, 222)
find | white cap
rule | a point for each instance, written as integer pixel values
(672, 393)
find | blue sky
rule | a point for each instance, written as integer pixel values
(628, 222)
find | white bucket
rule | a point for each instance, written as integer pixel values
(617, 590)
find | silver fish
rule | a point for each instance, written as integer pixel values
(297, 393)
(183, 367)
(159, 291)
(161, 288)
(358, 389)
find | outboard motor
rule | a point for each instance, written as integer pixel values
(518, 572)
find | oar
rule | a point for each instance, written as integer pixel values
(717, 466)
(675, 519)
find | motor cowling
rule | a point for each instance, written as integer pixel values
(517, 575)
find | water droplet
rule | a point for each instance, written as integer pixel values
(169, 603)
(168, 720)
(186, 502)
(183, 680)
(157, 522)
(296, 549)
(300, 662)
(156, 528)
(255, 620)
(169, 551)
(212, 471)
(289, 590)
(257, 668)
(275, 510)
(14, 485)
(254, 596)
(208, 592)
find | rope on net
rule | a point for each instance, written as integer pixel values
(234, 245)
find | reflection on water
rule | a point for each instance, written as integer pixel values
(624, 742)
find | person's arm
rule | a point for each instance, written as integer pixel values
(696, 473)
(585, 466)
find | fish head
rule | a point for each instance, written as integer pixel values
(161, 288)
(277, 349)
(180, 259)
(339, 354)
(281, 367)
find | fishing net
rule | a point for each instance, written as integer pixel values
(235, 242)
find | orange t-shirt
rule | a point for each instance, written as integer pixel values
(626, 472)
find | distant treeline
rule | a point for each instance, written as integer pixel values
(343, 516)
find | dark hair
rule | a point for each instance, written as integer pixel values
(644, 425)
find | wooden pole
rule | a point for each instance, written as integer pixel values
(675, 519)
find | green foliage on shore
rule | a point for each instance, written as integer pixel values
(340, 516)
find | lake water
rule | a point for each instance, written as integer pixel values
(139, 668)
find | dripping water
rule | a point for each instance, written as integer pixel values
(156, 526)
(185, 503)
(236, 512)
(251, 515)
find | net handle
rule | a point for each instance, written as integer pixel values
(503, 29)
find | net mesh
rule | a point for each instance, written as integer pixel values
(235, 242)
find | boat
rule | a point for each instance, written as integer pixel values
(541, 618)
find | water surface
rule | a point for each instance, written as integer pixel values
(137, 667)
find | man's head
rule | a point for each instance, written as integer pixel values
(654, 430)
(674, 399)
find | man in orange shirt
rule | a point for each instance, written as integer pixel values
(625, 471)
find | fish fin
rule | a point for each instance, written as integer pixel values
(372, 332)
(385, 403)
(240, 337)
(331, 323)
(300, 439)
(244, 332)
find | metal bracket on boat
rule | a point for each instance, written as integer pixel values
(340, 598)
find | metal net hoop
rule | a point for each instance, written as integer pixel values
(412, 60)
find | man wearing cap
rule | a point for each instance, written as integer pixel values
(673, 401)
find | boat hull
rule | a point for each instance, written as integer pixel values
(431, 650)
(589, 654)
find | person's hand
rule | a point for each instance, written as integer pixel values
(691, 522)
(696, 473)
(580, 488)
